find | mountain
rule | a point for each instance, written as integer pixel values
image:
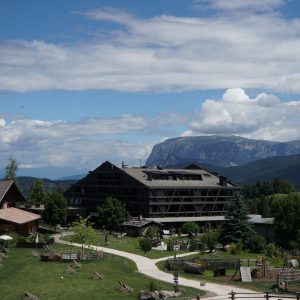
(51, 172)
(24, 183)
(73, 177)
(283, 167)
(224, 151)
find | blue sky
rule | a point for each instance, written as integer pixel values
(82, 82)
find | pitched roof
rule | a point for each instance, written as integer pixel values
(183, 178)
(17, 216)
(4, 187)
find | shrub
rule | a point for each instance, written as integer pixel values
(236, 248)
(153, 286)
(257, 244)
(210, 238)
(190, 227)
(152, 232)
(170, 245)
(271, 250)
(294, 245)
(196, 244)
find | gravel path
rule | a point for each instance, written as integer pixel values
(147, 267)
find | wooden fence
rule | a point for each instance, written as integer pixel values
(177, 264)
(287, 276)
(264, 295)
(75, 254)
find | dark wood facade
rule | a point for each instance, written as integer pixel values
(10, 194)
(154, 192)
(21, 229)
(13, 219)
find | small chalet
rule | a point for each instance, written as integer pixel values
(138, 226)
(13, 219)
(10, 195)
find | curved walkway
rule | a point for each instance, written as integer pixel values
(147, 267)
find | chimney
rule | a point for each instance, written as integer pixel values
(223, 181)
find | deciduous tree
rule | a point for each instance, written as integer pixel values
(37, 193)
(11, 169)
(286, 212)
(84, 233)
(112, 213)
(190, 227)
(145, 244)
(55, 208)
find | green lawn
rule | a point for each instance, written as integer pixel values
(23, 272)
(129, 244)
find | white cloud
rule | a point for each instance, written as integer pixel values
(234, 5)
(235, 95)
(263, 117)
(82, 144)
(2, 122)
(165, 53)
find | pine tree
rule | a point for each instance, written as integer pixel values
(236, 226)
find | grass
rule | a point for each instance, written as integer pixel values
(23, 272)
(129, 244)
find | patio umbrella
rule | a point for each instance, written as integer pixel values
(5, 237)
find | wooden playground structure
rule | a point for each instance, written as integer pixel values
(246, 270)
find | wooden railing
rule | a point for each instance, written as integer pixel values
(287, 276)
(263, 295)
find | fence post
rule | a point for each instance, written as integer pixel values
(232, 295)
(267, 296)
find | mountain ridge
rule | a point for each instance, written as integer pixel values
(217, 150)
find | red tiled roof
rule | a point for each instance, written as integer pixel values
(17, 216)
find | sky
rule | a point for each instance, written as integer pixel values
(82, 82)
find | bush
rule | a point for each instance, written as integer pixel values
(170, 246)
(196, 244)
(271, 250)
(257, 244)
(190, 227)
(294, 245)
(152, 232)
(210, 238)
(236, 248)
(153, 286)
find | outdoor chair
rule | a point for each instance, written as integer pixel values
(97, 276)
(125, 288)
(29, 296)
(70, 270)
